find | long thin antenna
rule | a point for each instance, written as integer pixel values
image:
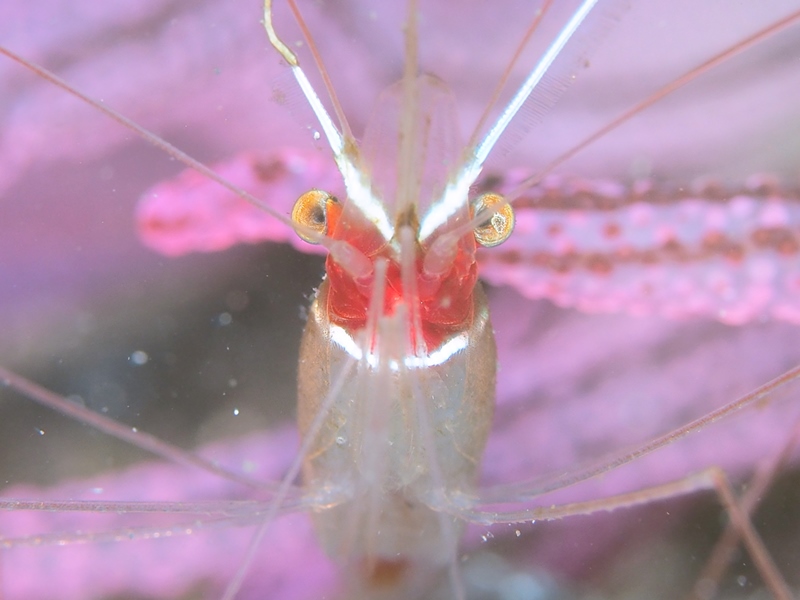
(540, 13)
(457, 188)
(524, 491)
(530, 83)
(358, 185)
(285, 487)
(671, 87)
(326, 80)
(160, 143)
(332, 133)
(109, 426)
(345, 151)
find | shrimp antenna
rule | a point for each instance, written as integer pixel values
(163, 145)
(347, 256)
(668, 89)
(541, 88)
(537, 78)
(109, 426)
(323, 71)
(537, 20)
(345, 151)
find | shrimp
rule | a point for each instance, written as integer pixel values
(230, 307)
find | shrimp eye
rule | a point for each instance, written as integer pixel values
(311, 210)
(496, 229)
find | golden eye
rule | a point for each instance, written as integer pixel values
(496, 229)
(311, 210)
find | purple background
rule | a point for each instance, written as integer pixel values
(80, 294)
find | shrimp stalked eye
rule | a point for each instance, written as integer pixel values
(311, 210)
(498, 227)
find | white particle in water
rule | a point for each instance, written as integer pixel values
(139, 357)
(235, 412)
(225, 319)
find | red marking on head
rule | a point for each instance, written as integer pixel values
(444, 303)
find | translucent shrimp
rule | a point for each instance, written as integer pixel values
(232, 308)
